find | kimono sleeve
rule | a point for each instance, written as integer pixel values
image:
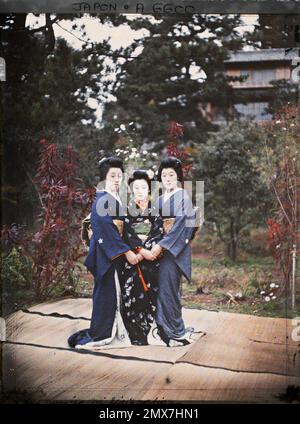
(182, 230)
(107, 236)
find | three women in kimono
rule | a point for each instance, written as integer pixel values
(137, 257)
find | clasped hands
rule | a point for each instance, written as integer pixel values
(143, 253)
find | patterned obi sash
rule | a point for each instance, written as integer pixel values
(168, 224)
(120, 225)
(142, 229)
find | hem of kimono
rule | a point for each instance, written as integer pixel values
(106, 343)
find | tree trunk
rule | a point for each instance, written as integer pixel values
(232, 245)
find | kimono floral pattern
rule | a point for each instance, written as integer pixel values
(138, 305)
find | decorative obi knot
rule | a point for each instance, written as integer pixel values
(120, 225)
(142, 229)
(168, 224)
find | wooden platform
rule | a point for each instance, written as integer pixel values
(240, 358)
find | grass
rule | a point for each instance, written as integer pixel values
(213, 276)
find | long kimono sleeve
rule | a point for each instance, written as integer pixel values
(107, 236)
(182, 230)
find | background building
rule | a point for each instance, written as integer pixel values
(254, 91)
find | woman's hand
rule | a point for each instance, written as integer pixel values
(140, 257)
(147, 254)
(131, 257)
(156, 250)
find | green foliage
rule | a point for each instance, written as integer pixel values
(276, 31)
(16, 278)
(286, 93)
(177, 69)
(17, 269)
(236, 195)
(46, 95)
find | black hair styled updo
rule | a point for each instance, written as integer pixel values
(171, 162)
(106, 163)
(140, 174)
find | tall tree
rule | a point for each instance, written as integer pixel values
(236, 195)
(46, 95)
(277, 31)
(173, 71)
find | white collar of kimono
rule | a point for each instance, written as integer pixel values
(115, 195)
(168, 195)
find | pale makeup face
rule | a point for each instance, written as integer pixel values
(140, 189)
(113, 179)
(169, 179)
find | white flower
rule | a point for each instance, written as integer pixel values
(271, 294)
(144, 152)
(144, 160)
(116, 129)
(262, 292)
(292, 125)
(154, 154)
(150, 173)
(284, 129)
(278, 122)
(267, 299)
(277, 286)
(134, 149)
(272, 285)
(122, 126)
(274, 297)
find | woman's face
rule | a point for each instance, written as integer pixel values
(169, 179)
(140, 189)
(113, 179)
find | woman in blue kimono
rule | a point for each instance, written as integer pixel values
(143, 229)
(177, 212)
(105, 259)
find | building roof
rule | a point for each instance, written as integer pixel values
(264, 55)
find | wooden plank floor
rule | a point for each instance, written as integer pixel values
(236, 358)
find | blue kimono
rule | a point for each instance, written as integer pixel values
(178, 221)
(104, 259)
